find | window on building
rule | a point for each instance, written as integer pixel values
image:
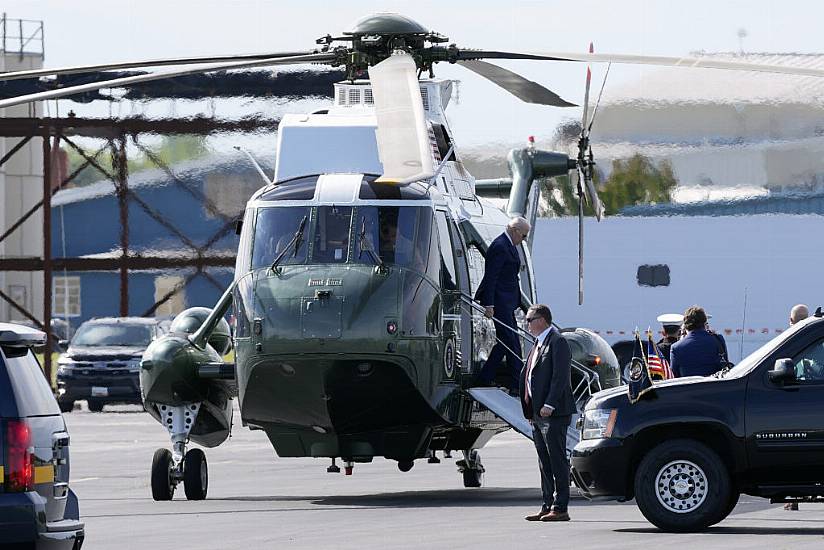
(66, 296)
(653, 275)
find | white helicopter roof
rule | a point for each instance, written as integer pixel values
(342, 139)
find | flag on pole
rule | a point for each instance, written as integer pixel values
(658, 367)
(639, 379)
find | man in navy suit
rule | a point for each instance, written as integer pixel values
(500, 293)
(548, 404)
(700, 352)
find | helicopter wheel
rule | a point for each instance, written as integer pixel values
(163, 487)
(195, 475)
(405, 465)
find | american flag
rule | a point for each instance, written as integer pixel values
(658, 366)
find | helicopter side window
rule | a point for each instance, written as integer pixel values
(332, 234)
(448, 276)
(275, 227)
(244, 252)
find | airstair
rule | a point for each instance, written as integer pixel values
(508, 408)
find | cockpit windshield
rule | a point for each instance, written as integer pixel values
(397, 235)
(274, 230)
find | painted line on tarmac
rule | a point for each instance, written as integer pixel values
(82, 479)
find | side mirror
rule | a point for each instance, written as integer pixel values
(62, 345)
(782, 372)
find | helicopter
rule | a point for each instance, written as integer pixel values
(354, 329)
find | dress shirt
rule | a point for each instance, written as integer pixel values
(539, 342)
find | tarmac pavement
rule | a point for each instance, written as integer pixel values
(257, 500)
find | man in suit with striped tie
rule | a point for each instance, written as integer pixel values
(547, 402)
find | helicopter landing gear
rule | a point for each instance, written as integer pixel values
(471, 468)
(334, 468)
(170, 468)
(405, 465)
(433, 458)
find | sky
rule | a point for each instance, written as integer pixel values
(93, 31)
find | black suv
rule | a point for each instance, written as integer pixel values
(37, 508)
(689, 447)
(102, 362)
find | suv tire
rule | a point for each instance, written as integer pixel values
(66, 406)
(683, 486)
(95, 405)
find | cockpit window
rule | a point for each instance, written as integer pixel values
(332, 234)
(274, 230)
(297, 189)
(398, 234)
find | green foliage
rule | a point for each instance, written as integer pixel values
(172, 149)
(636, 180)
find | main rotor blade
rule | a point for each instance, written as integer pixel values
(403, 133)
(662, 61)
(689, 62)
(34, 73)
(520, 87)
(129, 80)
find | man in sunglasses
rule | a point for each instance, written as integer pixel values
(548, 404)
(500, 294)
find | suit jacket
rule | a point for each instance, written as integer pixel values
(500, 287)
(696, 354)
(550, 379)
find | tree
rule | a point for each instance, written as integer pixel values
(636, 180)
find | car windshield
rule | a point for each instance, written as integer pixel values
(753, 359)
(114, 334)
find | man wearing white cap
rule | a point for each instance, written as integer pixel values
(671, 328)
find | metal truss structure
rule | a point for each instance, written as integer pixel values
(115, 134)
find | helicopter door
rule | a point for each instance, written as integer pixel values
(457, 317)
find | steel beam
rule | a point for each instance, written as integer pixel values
(47, 263)
(133, 263)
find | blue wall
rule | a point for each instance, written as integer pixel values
(86, 221)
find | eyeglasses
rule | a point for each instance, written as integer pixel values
(530, 319)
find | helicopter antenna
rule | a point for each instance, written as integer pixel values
(256, 165)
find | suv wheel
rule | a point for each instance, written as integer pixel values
(682, 486)
(95, 405)
(66, 406)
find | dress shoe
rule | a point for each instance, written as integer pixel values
(537, 517)
(555, 515)
(791, 506)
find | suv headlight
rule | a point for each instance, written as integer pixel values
(598, 423)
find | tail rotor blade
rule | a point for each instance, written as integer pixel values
(584, 120)
(580, 237)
